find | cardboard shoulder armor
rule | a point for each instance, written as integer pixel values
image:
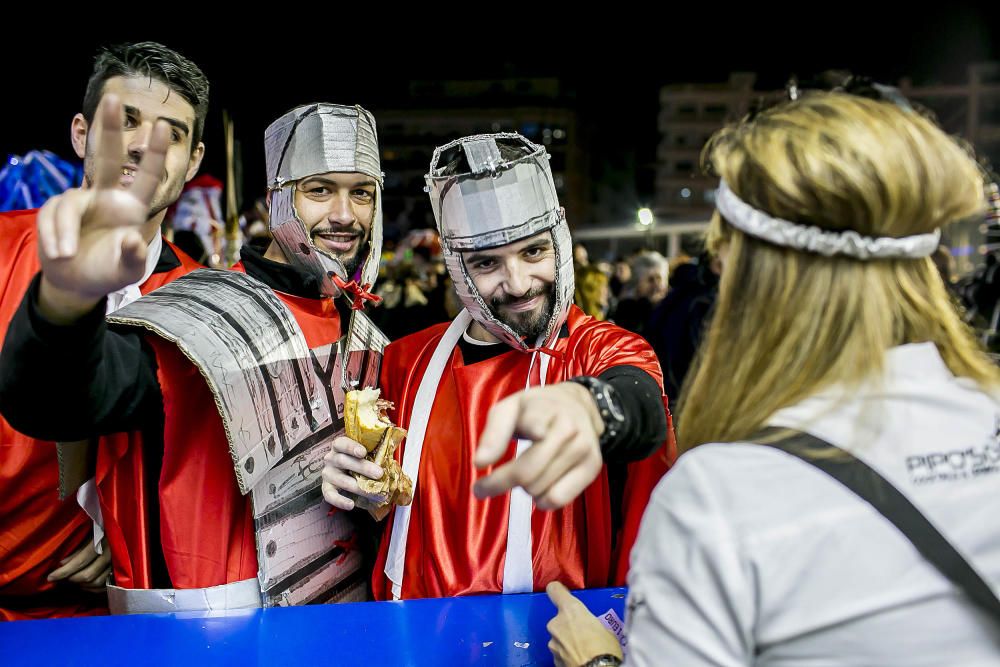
(281, 404)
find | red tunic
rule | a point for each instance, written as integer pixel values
(37, 530)
(457, 543)
(206, 526)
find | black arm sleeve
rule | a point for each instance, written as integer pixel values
(645, 426)
(77, 381)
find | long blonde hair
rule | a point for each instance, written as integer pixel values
(789, 323)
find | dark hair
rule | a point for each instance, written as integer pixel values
(150, 59)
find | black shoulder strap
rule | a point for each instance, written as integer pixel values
(865, 482)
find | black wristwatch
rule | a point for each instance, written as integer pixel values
(608, 405)
(606, 660)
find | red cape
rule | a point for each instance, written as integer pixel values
(456, 543)
(38, 530)
(206, 525)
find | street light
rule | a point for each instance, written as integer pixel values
(645, 217)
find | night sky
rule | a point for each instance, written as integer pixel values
(613, 65)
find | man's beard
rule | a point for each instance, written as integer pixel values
(355, 260)
(529, 324)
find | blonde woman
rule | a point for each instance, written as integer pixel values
(831, 321)
(592, 292)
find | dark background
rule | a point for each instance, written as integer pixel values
(610, 63)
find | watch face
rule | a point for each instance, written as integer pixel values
(613, 406)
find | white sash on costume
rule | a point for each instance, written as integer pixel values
(517, 576)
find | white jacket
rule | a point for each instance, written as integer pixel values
(749, 556)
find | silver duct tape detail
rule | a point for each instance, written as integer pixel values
(299, 547)
(295, 533)
(350, 591)
(435, 170)
(476, 305)
(363, 349)
(482, 313)
(369, 270)
(253, 356)
(339, 580)
(318, 138)
(298, 560)
(293, 477)
(237, 595)
(497, 204)
(565, 276)
(848, 243)
(483, 156)
(297, 245)
(299, 472)
(485, 218)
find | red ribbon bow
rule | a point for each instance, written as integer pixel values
(348, 545)
(360, 292)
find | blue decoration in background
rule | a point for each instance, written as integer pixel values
(27, 182)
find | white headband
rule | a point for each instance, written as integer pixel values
(813, 239)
